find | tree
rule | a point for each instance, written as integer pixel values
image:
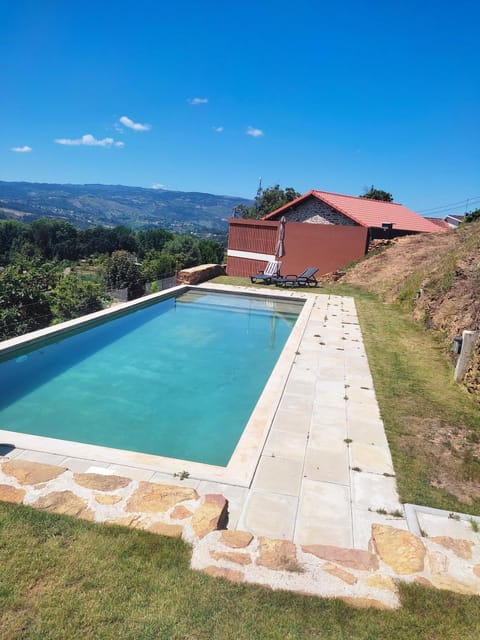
(24, 303)
(157, 265)
(122, 272)
(377, 194)
(268, 200)
(73, 297)
(185, 250)
(472, 216)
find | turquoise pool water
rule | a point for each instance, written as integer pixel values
(178, 378)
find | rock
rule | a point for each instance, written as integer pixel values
(221, 572)
(31, 472)
(236, 539)
(163, 529)
(351, 558)
(366, 603)
(279, 555)
(231, 556)
(203, 272)
(437, 562)
(101, 499)
(153, 498)
(180, 513)
(379, 581)
(476, 570)
(66, 503)
(452, 584)
(100, 482)
(401, 550)
(333, 570)
(211, 515)
(423, 581)
(461, 548)
(11, 494)
(133, 522)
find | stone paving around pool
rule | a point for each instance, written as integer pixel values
(362, 578)
(321, 515)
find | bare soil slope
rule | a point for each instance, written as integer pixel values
(437, 278)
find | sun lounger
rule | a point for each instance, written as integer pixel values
(305, 279)
(271, 271)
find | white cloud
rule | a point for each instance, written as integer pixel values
(198, 100)
(136, 126)
(157, 185)
(218, 129)
(89, 141)
(255, 133)
(24, 149)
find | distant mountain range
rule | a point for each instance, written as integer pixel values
(110, 205)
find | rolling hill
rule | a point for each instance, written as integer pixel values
(109, 205)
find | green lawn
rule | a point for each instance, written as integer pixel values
(62, 578)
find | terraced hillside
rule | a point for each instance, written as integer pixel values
(437, 278)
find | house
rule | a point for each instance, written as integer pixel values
(322, 229)
(322, 207)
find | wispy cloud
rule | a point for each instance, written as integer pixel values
(24, 149)
(157, 185)
(197, 100)
(218, 129)
(89, 141)
(255, 133)
(136, 126)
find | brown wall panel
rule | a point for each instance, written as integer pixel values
(328, 247)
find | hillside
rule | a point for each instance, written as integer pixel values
(437, 278)
(95, 204)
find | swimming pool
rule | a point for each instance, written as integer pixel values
(177, 377)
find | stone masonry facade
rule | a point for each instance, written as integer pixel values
(316, 212)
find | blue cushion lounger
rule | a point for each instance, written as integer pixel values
(305, 279)
(271, 271)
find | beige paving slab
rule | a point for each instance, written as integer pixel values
(329, 415)
(370, 458)
(375, 491)
(132, 472)
(327, 464)
(278, 475)
(286, 444)
(362, 412)
(367, 432)
(292, 421)
(43, 457)
(269, 514)
(295, 402)
(324, 514)
(81, 465)
(436, 525)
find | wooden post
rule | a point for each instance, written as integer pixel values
(463, 362)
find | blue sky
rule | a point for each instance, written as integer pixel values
(208, 96)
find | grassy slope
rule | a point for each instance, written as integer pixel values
(62, 578)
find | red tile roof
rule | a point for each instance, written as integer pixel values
(440, 222)
(367, 213)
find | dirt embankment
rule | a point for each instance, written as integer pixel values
(437, 278)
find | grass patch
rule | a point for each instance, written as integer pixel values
(64, 578)
(432, 424)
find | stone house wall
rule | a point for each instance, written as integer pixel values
(316, 212)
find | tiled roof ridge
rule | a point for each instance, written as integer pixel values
(344, 195)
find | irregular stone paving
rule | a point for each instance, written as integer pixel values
(362, 578)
